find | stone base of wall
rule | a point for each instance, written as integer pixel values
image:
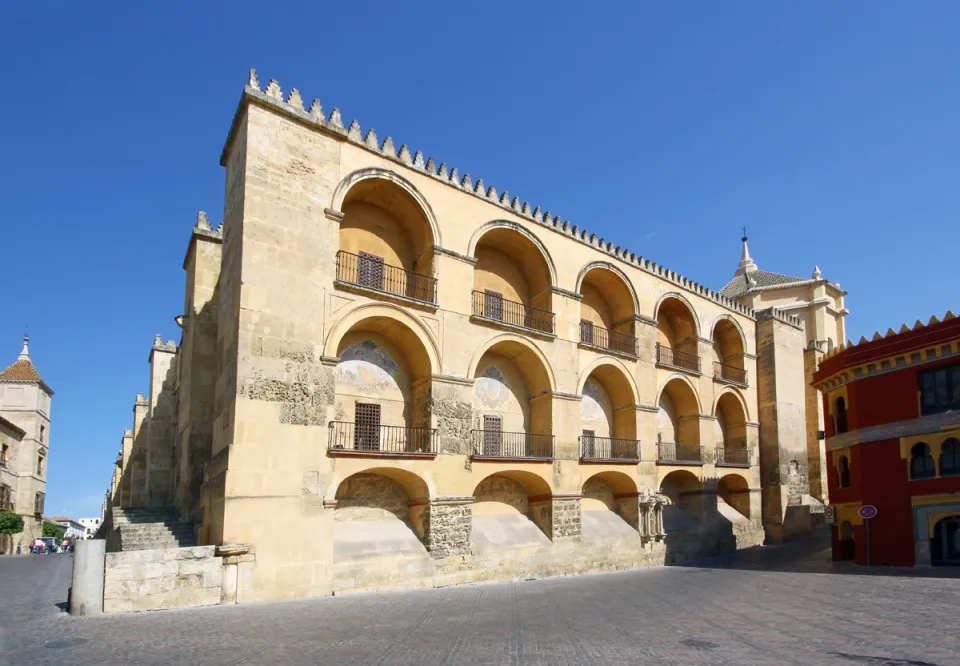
(565, 558)
(165, 578)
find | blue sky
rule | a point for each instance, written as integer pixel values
(828, 129)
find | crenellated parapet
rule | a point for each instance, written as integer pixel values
(779, 315)
(314, 116)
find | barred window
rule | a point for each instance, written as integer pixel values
(38, 503)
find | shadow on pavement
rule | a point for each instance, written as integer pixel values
(881, 661)
(811, 555)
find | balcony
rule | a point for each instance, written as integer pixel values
(733, 456)
(679, 453)
(369, 272)
(492, 306)
(729, 374)
(592, 335)
(673, 358)
(499, 445)
(380, 441)
(609, 450)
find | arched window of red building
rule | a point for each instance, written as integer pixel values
(840, 411)
(921, 462)
(950, 457)
(844, 472)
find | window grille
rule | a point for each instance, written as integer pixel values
(492, 435)
(367, 433)
(371, 271)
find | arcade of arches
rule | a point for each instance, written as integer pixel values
(426, 384)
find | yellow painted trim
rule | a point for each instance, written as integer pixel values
(847, 512)
(921, 500)
(934, 440)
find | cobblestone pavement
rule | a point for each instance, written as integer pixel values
(775, 605)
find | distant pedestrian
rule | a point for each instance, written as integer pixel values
(19, 546)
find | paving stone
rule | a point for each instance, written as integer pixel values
(775, 605)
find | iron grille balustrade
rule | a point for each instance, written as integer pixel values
(595, 336)
(367, 270)
(677, 359)
(679, 453)
(733, 456)
(729, 373)
(372, 438)
(499, 444)
(609, 448)
(491, 305)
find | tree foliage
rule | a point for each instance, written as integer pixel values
(52, 530)
(10, 523)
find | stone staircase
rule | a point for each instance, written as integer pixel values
(150, 528)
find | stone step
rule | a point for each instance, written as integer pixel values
(157, 527)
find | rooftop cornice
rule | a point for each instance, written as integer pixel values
(272, 97)
(798, 283)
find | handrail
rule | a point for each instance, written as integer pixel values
(729, 373)
(679, 452)
(733, 456)
(597, 336)
(609, 448)
(493, 306)
(499, 444)
(370, 272)
(677, 359)
(371, 438)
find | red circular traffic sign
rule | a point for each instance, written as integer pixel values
(867, 511)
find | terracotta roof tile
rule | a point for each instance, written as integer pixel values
(21, 371)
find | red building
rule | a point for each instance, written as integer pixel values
(892, 418)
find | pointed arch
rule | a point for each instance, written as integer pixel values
(386, 311)
(505, 340)
(523, 231)
(606, 265)
(360, 175)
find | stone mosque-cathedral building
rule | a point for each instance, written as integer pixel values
(393, 375)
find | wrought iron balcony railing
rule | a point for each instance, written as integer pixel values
(372, 438)
(609, 448)
(675, 358)
(369, 271)
(733, 456)
(498, 444)
(679, 453)
(493, 306)
(595, 336)
(729, 373)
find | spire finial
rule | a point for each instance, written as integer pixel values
(25, 352)
(747, 264)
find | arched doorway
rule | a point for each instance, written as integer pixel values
(678, 424)
(945, 545)
(684, 491)
(382, 390)
(728, 349)
(607, 311)
(504, 516)
(512, 280)
(608, 418)
(732, 449)
(386, 240)
(846, 545)
(512, 401)
(677, 335)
